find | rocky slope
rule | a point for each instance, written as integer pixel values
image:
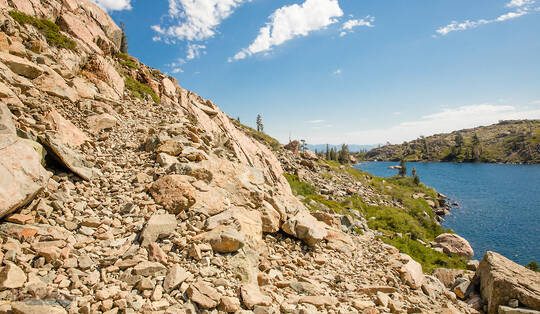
(121, 192)
(516, 141)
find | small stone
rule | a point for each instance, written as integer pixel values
(145, 284)
(150, 269)
(195, 252)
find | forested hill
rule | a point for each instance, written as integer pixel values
(509, 141)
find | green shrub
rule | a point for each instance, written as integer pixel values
(299, 187)
(48, 28)
(138, 89)
(533, 266)
(429, 258)
(126, 61)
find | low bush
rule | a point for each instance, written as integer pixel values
(123, 59)
(47, 28)
(259, 136)
(138, 89)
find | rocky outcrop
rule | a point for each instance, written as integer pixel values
(500, 280)
(454, 244)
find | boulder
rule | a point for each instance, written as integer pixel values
(36, 308)
(53, 84)
(500, 280)
(252, 296)
(454, 244)
(169, 89)
(170, 147)
(106, 72)
(204, 295)
(411, 272)
(271, 220)
(174, 192)
(310, 155)
(447, 276)
(84, 88)
(12, 277)
(66, 132)
(22, 175)
(100, 122)
(305, 227)
(158, 226)
(175, 276)
(67, 156)
(6, 121)
(223, 239)
(21, 66)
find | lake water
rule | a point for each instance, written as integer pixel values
(499, 204)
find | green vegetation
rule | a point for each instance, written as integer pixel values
(259, 136)
(123, 59)
(47, 28)
(299, 187)
(124, 39)
(402, 228)
(516, 141)
(138, 89)
(533, 266)
(342, 155)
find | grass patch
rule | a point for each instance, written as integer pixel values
(299, 187)
(123, 59)
(259, 136)
(138, 89)
(47, 28)
(414, 221)
(429, 258)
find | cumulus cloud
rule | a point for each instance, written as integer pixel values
(292, 21)
(196, 20)
(113, 5)
(447, 120)
(522, 8)
(348, 26)
(316, 121)
(519, 3)
(337, 72)
(194, 51)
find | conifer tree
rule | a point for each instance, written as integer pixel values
(260, 126)
(414, 174)
(124, 39)
(403, 168)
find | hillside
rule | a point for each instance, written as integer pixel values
(515, 141)
(122, 192)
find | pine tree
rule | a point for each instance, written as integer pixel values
(327, 153)
(238, 119)
(476, 147)
(260, 126)
(414, 174)
(343, 156)
(403, 169)
(124, 39)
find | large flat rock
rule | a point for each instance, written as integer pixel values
(22, 176)
(500, 280)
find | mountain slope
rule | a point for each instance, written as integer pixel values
(515, 141)
(120, 191)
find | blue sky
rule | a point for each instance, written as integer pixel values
(347, 71)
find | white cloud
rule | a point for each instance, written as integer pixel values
(523, 7)
(337, 72)
(349, 25)
(177, 70)
(196, 20)
(113, 5)
(292, 21)
(316, 121)
(519, 3)
(447, 120)
(194, 51)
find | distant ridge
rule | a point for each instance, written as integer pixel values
(509, 141)
(352, 148)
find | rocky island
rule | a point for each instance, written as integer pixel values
(122, 192)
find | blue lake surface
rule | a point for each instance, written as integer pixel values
(500, 204)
